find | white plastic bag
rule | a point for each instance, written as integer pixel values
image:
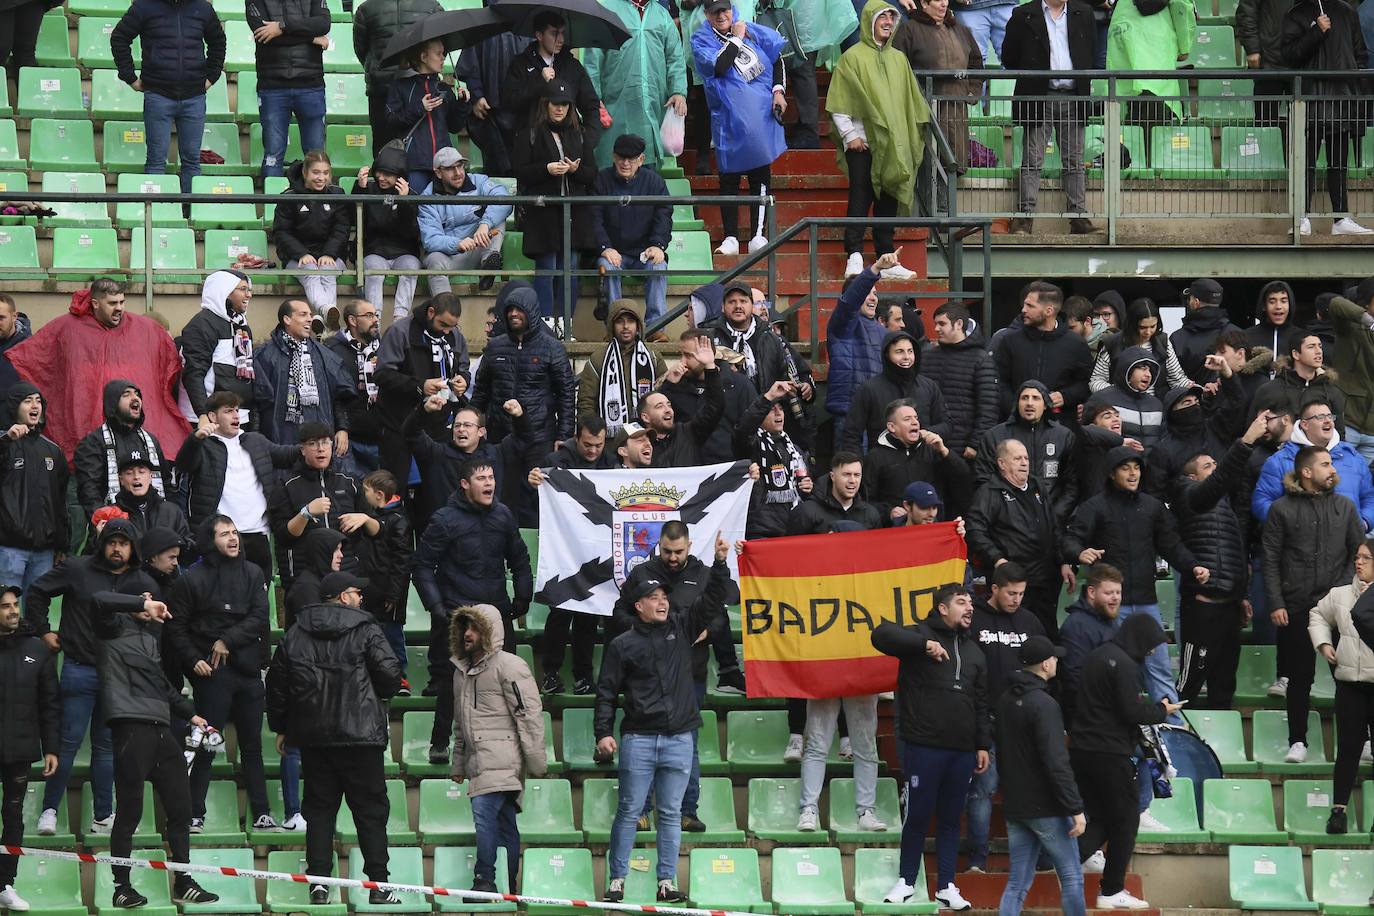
(673, 132)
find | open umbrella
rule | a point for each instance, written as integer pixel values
(456, 28)
(590, 25)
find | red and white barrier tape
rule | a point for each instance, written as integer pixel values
(158, 865)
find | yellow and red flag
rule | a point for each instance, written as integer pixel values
(809, 605)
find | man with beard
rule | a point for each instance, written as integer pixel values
(120, 437)
(622, 372)
(356, 345)
(34, 527)
(836, 500)
(1091, 621)
(1051, 447)
(905, 453)
(312, 496)
(145, 508)
(217, 344)
(1316, 426)
(784, 465)
(1043, 348)
(900, 378)
(678, 446)
(439, 462)
(765, 360)
(685, 385)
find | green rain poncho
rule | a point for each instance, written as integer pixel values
(636, 80)
(876, 85)
(1136, 41)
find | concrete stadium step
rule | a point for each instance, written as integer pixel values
(985, 891)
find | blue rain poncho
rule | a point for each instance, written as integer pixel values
(743, 128)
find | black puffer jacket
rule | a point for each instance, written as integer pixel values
(314, 561)
(93, 483)
(386, 564)
(1110, 705)
(463, 556)
(1006, 522)
(33, 482)
(183, 46)
(1208, 430)
(820, 513)
(152, 511)
(207, 346)
(220, 598)
(1058, 359)
(1051, 446)
(1039, 781)
(291, 60)
(31, 716)
(1211, 529)
(1196, 338)
(330, 679)
(967, 379)
(390, 230)
(1297, 390)
(311, 222)
(868, 410)
(1131, 528)
(686, 445)
(889, 466)
(1309, 541)
(532, 368)
(687, 587)
(942, 704)
(205, 462)
(1259, 26)
(689, 398)
(375, 23)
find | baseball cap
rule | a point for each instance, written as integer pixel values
(736, 285)
(642, 589)
(921, 494)
(448, 156)
(715, 6)
(336, 583)
(135, 461)
(629, 431)
(1206, 290)
(1038, 648)
(558, 90)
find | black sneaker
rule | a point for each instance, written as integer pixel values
(484, 885)
(431, 690)
(668, 892)
(615, 890)
(126, 898)
(585, 687)
(438, 755)
(1337, 823)
(552, 683)
(492, 261)
(693, 824)
(405, 688)
(731, 682)
(379, 897)
(186, 890)
(319, 895)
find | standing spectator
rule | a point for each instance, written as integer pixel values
(142, 505)
(498, 736)
(1302, 377)
(1043, 809)
(356, 345)
(183, 56)
(319, 553)
(1353, 350)
(545, 59)
(957, 361)
(784, 467)
(623, 372)
(311, 233)
(341, 730)
(391, 231)
(120, 438)
(1259, 28)
(1149, 35)
(482, 68)
(1132, 393)
(375, 23)
(1044, 349)
(440, 462)
(1204, 321)
(880, 115)
(217, 345)
(1253, 364)
(945, 733)
(1104, 735)
(854, 338)
(1316, 426)
(1192, 429)
(906, 453)
(684, 386)
(458, 236)
(641, 78)
(425, 111)
(633, 236)
(1050, 445)
(298, 381)
(1100, 433)
(313, 496)
(765, 354)
(1274, 308)
(1142, 327)
(741, 69)
(821, 26)
(530, 365)
(987, 21)
(1310, 538)
(386, 560)
(34, 526)
(291, 37)
(1091, 621)
(1054, 35)
(552, 158)
(836, 500)
(900, 378)
(30, 723)
(15, 327)
(19, 26)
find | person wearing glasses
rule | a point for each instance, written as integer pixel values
(1317, 426)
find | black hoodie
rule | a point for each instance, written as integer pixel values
(389, 229)
(1196, 338)
(33, 482)
(1000, 636)
(152, 511)
(868, 410)
(31, 716)
(220, 598)
(533, 368)
(1264, 333)
(1110, 705)
(314, 558)
(96, 481)
(941, 703)
(1060, 359)
(1032, 762)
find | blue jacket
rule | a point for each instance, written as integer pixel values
(1355, 482)
(443, 225)
(271, 376)
(463, 555)
(855, 343)
(631, 229)
(1083, 630)
(183, 46)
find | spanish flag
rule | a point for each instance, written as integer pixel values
(809, 605)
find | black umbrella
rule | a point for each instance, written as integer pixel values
(590, 25)
(456, 28)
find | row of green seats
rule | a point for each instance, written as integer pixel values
(1272, 878)
(1222, 730)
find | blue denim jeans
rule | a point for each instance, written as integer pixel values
(978, 812)
(1263, 631)
(22, 567)
(81, 709)
(275, 108)
(1360, 442)
(691, 798)
(395, 634)
(655, 285)
(159, 114)
(552, 301)
(663, 764)
(1156, 675)
(291, 781)
(1027, 839)
(988, 25)
(493, 816)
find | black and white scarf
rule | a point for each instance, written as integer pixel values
(622, 386)
(112, 461)
(441, 355)
(302, 390)
(780, 461)
(366, 354)
(243, 344)
(739, 342)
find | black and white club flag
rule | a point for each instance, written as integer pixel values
(596, 526)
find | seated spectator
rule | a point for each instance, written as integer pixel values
(217, 345)
(1143, 328)
(784, 463)
(290, 71)
(633, 237)
(391, 231)
(374, 25)
(458, 236)
(547, 58)
(298, 381)
(425, 111)
(620, 374)
(905, 453)
(900, 378)
(311, 233)
(1132, 394)
(120, 438)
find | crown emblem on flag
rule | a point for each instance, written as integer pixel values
(648, 493)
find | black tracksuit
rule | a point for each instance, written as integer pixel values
(30, 726)
(300, 487)
(889, 466)
(1006, 522)
(33, 484)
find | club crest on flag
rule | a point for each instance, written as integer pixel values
(641, 509)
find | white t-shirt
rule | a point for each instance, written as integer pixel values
(242, 499)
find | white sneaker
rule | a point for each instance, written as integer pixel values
(793, 753)
(808, 822)
(756, 243)
(103, 826)
(294, 822)
(1347, 226)
(869, 820)
(1297, 753)
(951, 899)
(10, 900)
(1367, 754)
(898, 273)
(47, 822)
(1279, 688)
(846, 749)
(1151, 824)
(901, 892)
(265, 822)
(728, 245)
(888, 695)
(1305, 227)
(1122, 900)
(1095, 863)
(854, 266)
(197, 825)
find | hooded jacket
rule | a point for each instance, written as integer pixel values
(204, 466)
(498, 720)
(219, 598)
(31, 716)
(1207, 428)
(1084, 629)
(631, 228)
(390, 230)
(1000, 636)
(1142, 413)
(291, 60)
(1039, 781)
(272, 380)
(1264, 333)
(448, 219)
(855, 343)
(1058, 359)
(375, 23)
(208, 345)
(1354, 482)
(889, 466)
(33, 483)
(1051, 446)
(183, 46)
(819, 513)
(1333, 622)
(310, 222)
(589, 380)
(1110, 706)
(1309, 542)
(533, 368)
(1211, 529)
(940, 703)
(867, 415)
(92, 461)
(1168, 377)
(463, 556)
(1195, 339)
(313, 561)
(385, 563)
(1006, 522)
(330, 679)
(967, 378)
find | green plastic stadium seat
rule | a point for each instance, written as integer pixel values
(222, 824)
(217, 101)
(1182, 151)
(113, 99)
(716, 809)
(50, 92)
(1254, 674)
(773, 811)
(405, 865)
(1306, 805)
(1240, 811)
(1132, 137)
(994, 138)
(275, 184)
(708, 742)
(415, 729)
(146, 834)
(1269, 733)
(223, 138)
(546, 815)
(844, 820)
(690, 251)
(153, 884)
(51, 886)
(579, 742)
(727, 879)
(446, 814)
(1252, 152)
(128, 215)
(1053, 163)
(227, 9)
(19, 252)
(9, 146)
(1222, 730)
(345, 97)
(54, 48)
(275, 806)
(563, 873)
(1269, 878)
(337, 13)
(398, 829)
(126, 148)
(1214, 48)
(1179, 814)
(246, 105)
(417, 618)
(5, 108)
(996, 107)
(417, 673)
(875, 871)
(289, 897)
(224, 216)
(1341, 879)
(453, 868)
(88, 213)
(58, 145)
(809, 881)
(33, 792)
(349, 147)
(1225, 101)
(600, 798)
(293, 144)
(97, 7)
(728, 699)
(13, 181)
(93, 42)
(755, 740)
(240, 50)
(684, 215)
(641, 883)
(339, 57)
(1225, 12)
(236, 895)
(222, 246)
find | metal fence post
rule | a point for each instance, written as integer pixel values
(147, 256)
(569, 288)
(1111, 160)
(362, 278)
(814, 293)
(1297, 160)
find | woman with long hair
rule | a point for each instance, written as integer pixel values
(1142, 327)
